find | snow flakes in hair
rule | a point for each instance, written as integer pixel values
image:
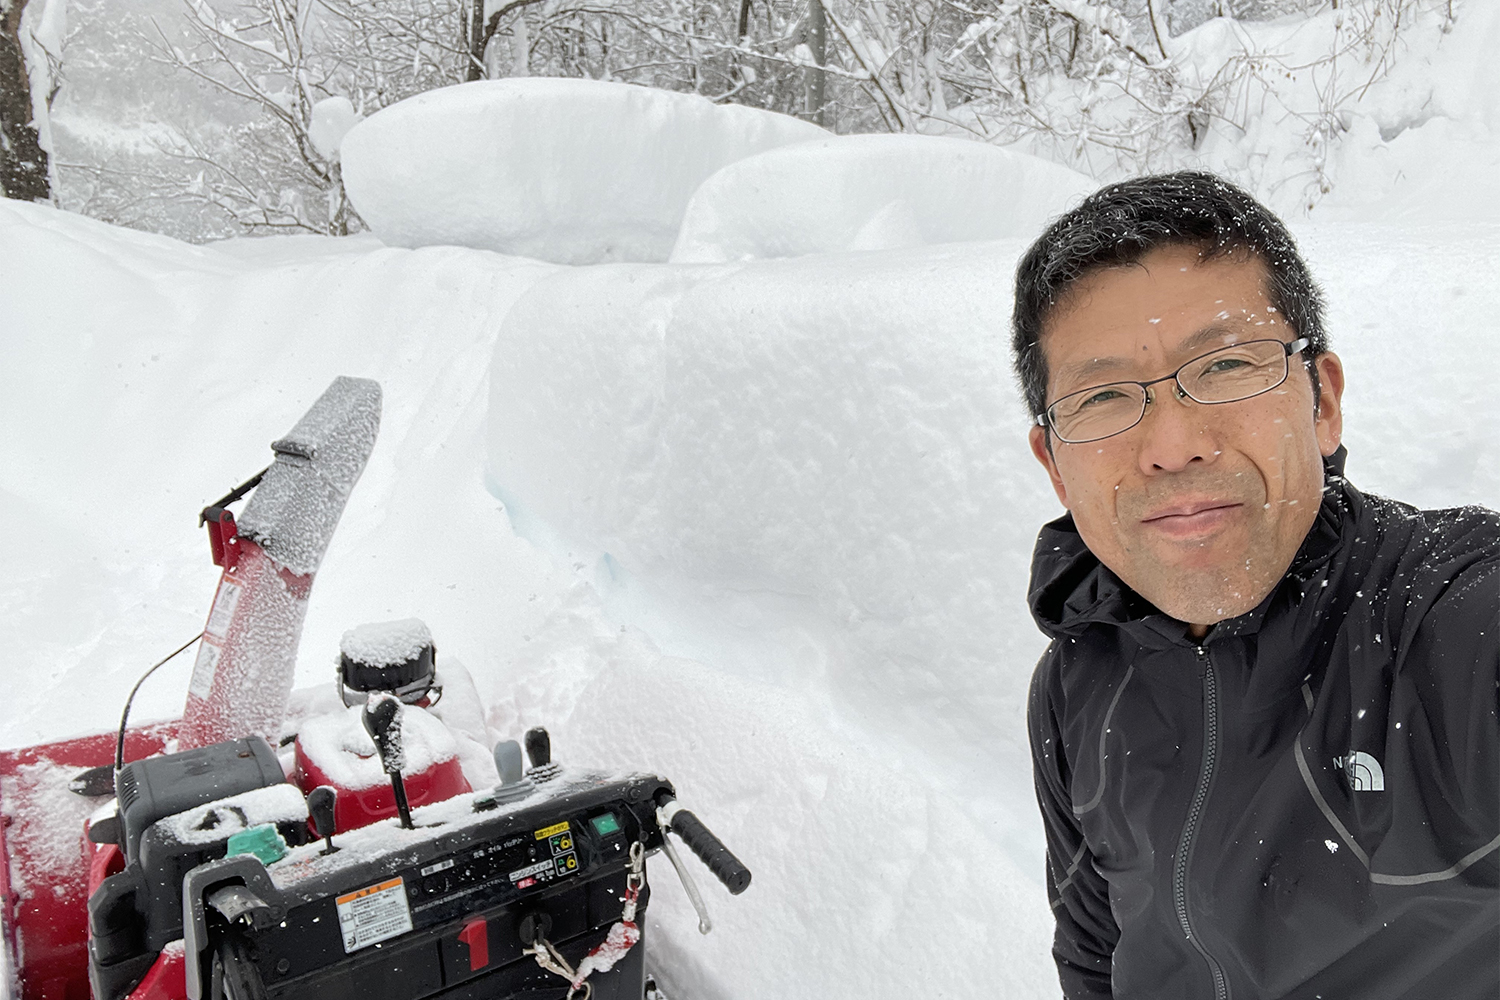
(1121, 223)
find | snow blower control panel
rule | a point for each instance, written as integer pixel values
(452, 902)
(533, 887)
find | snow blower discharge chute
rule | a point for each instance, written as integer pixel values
(211, 857)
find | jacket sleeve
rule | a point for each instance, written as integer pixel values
(1084, 943)
(1454, 661)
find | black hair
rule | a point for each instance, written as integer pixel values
(1122, 223)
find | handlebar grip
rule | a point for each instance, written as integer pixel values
(711, 851)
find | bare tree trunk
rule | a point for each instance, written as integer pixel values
(477, 40)
(23, 162)
(817, 42)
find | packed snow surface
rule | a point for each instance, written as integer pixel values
(872, 192)
(386, 644)
(573, 171)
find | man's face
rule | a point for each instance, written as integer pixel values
(1198, 508)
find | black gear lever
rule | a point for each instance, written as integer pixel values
(382, 720)
(539, 751)
(538, 747)
(320, 805)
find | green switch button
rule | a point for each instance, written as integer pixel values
(605, 824)
(263, 841)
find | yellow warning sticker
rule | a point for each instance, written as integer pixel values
(350, 897)
(373, 914)
(548, 831)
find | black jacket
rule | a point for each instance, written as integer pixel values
(1305, 805)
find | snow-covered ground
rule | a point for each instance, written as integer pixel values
(760, 525)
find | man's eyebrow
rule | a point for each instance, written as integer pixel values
(1204, 340)
(1082, 371)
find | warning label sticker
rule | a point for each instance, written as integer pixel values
(548, 831)
(373, 914)
(203, 669)
(225, 602)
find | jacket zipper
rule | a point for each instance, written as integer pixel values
(1195, 813)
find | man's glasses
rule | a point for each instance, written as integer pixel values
(1227, 375)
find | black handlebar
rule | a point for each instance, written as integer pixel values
(711, 851)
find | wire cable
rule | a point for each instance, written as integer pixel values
(125, 715)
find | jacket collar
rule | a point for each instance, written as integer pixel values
(1071, 589)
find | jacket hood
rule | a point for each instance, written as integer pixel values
(1071, 589)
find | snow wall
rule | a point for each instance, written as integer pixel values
(872, 192)
(572, 171)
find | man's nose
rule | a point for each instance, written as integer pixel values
(1175, 432)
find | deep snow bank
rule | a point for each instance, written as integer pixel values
(1351, 115)
(872, 192)
(1423, 144)
(572, 171)
(827, 449)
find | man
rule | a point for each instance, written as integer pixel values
(1265, 733)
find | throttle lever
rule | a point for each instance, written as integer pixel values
(727, 868)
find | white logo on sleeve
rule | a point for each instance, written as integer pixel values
(1363, 771)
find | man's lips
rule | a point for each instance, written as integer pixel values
(1192, 518)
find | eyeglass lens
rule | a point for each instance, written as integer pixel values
(1223, 376)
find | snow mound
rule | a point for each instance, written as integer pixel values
(870, 192)
(386, 644)
(825, 454)
(572, 171)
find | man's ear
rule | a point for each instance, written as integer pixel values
(1329, 420)
(1038, 439)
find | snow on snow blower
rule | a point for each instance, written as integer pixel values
(212, 859)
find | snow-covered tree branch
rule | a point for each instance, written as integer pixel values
(307, 70)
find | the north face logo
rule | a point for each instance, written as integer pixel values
(1362, 771)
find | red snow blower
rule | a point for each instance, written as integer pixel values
(217, 857)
